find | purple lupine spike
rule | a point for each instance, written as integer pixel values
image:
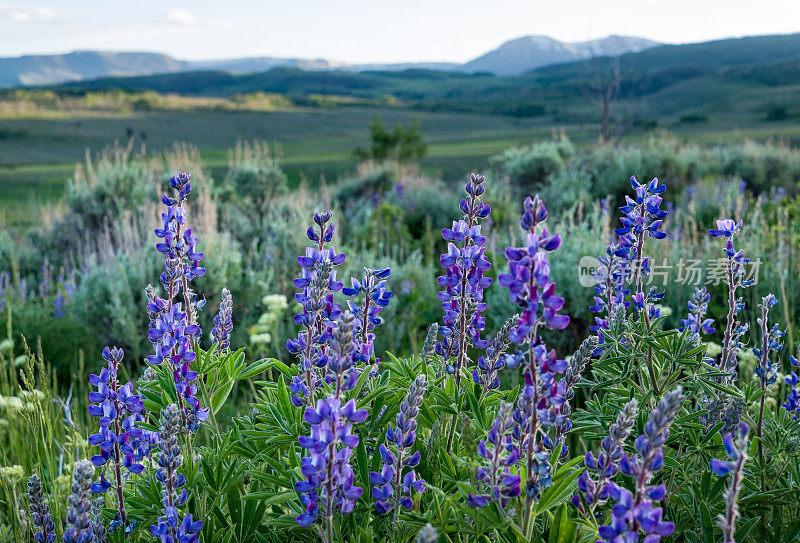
(375, 298)
(464, 282)
(395, 485)
(737, 452)
(695, 320)
(642, 218)
(723, 408)
(117, 409)
(766, 370)
(223, 323)
(529, 285)
(79, 529)
(560, 414)
(593, 489)
(99, 532)
(489, 365)
(40, 512)
(316, 285)
(612, 274)
(501, 453)
(327, 487)
(633, 513)
(170, 528)
(173, 324)
(341, 359)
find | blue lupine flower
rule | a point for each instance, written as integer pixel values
(327, 486)
(223, 323)
(528, 282)
(117, 407)
(501, 453)
(695, 321)
(395, 486)
(737, 452)
(173, 324)
(170, 528)
(766, 370)
(605, 466)
(632, 514)
(464, 282)
(489, 364)
(642, 218)
(341, 359)
(375, 298)
(79, 529)
(316, 285)
(40, 512)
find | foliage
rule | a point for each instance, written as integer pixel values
(400, 144)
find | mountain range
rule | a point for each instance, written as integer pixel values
(511, 58)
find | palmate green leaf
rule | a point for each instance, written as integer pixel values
(562, 528)
(558, 493)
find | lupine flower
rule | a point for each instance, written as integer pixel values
(342, 355)
(490, 364)
(117, 407)
(223, 323)
(723, 408)
(614, 271)
(633, 513)
(528, 282)
(376, 297)
(40, 512)
(464, 282)
(560, 414)
(642, 218)
(328, 477)
(170, 527)
(737, 452)
(770, 342)
(394, 488)
(173, 324)
(98, 527)
(428, 534)
(501, 453)
(429, 346)
(319, 312)
(605, 466)
(695, 320)
(792, 403)
(79, 528)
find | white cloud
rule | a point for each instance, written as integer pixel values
(27, 13)
(183, 18)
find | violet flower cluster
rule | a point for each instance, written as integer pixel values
(632, 513)
(40, 512)
(766, 370)
(316, 285)
(341, 360)
(375, 298)
(500, 453)
(642, 218)
(79, 529)
(489, 364)
(737, 453)
(463, 282)
(170, 528)
(559, 412)
(696, 321)
(605, 466)
(327, 486)
(530, 288)
(613, 273)
(395, 485)
(223, 323)
(173, 327)
(117, 407)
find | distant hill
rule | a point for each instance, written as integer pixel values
(511, 58)
(81, 65)
(530, 52)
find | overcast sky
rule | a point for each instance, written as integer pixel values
(368, 30)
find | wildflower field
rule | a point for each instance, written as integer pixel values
(581, 345)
